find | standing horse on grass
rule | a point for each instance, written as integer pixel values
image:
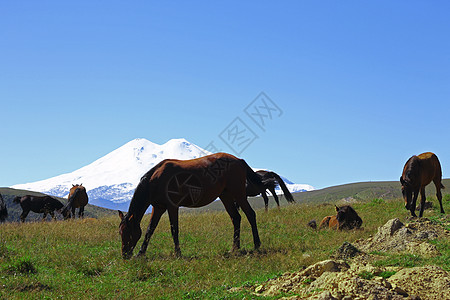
(418, 172)
(345, 218)
(191, 183)
(78, 198)
(38, 204)
(270, 181)
(3, 210)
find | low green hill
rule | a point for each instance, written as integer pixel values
(14, 209)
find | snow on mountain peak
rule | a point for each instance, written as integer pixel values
(111, 179)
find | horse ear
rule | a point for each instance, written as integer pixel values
(337, 208)
(73, 185)
(121, 215)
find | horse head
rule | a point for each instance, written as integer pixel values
(131, 232)
(407, 191)
(347, 217)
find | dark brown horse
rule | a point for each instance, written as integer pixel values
(191, 183)
(418, 172)
(78, 198)
(345, 218)
(270, 181)
(3, 210)
(38, 204)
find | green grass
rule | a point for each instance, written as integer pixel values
(81, 258)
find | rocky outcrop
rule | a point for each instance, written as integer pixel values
(351, 274)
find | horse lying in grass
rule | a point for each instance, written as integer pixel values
(418, 172)
(39, 204)
(345, 218)
(270, 181)
(190, 183)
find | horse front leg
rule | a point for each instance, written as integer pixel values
(23, 215)
(413, 203)
(422, 201)
(157, 212)
(81, 212)
(73, 212)
(173, 218)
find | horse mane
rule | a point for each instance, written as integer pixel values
(142, 191)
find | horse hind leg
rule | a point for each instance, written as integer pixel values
(173, 219)
(251, 217)
(439, 186)
(231, 208)
(275, 197)
(266, 201)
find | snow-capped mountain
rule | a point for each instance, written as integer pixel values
(111, 180)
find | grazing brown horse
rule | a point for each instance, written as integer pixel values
(77, 198)
(345, 218)
(191, 183)
(270, 181)
(418, 172)
(3, 210)
(38, 204)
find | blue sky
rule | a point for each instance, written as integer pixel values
(361, 86)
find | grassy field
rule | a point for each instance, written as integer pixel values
(81, 258)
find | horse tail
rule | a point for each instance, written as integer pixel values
(283, 186)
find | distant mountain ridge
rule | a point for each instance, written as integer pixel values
(111, 179)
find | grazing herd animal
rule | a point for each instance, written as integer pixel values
(270, 181)
(49, 205)
(197, 182)
(190, 183)
(418, 172)
(77, 198)
(38, 204)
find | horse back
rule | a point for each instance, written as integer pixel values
(202, 179)
(420, 170)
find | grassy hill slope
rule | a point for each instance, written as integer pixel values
(14, 209)
(81, 258)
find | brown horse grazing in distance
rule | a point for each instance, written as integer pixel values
(418, 172)
(77, 198)
(270, 181)
(38, 204)
(3, 210)
(346, 218)
(190, 183)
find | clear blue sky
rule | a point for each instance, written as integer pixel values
(362, 85)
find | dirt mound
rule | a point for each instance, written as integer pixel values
(395, 237)
(340, 278)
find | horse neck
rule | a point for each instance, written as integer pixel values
(140, 201)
